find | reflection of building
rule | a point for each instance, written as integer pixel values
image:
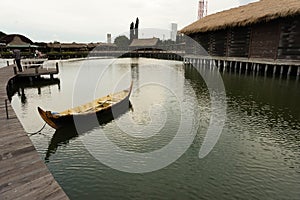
(173, 31)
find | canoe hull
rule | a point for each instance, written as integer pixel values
(90, 119)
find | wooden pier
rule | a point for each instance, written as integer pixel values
(23, 174)
(36, 71)
(263, 67)
(259, 66)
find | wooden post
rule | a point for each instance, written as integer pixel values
(289, 71)
(235, 65)
(56, 66)
(15, 70)
(7, 62)
(274, 70)
(6, 109)
(281, 69)
(246, 67)
(266, 69)
(36, 70)
(298, 72)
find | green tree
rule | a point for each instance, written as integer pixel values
(2, 34)
(122, 42)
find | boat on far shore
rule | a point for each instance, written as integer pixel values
(105, 108)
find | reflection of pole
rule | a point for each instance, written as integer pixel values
(135, 74)
(23, 97)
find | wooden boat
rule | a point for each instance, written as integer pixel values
(106, 108)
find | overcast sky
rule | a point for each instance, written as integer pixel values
(91, 20)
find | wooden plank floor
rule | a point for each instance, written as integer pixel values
(23, 175)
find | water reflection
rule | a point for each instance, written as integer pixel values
(69, 132)
(256, 157)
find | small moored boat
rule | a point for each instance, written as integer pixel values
(105, 108)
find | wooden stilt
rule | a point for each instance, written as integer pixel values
(289, 71)
(240, 66)
(274, 70)
(266, 69)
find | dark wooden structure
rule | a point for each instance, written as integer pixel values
(268, 29)
(144, 44)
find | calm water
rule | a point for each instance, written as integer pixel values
(256, 157)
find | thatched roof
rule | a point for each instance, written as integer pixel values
(151, 42)
(17, 41)
(264, 10)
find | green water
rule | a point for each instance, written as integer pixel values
(257, 156)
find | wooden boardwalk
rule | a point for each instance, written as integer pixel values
(36, 71)
(23, 174)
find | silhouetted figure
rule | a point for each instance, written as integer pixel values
(17, 55)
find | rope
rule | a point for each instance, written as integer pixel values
(37, 132)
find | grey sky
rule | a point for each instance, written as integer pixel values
(91, 20)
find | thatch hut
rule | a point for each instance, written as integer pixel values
(267, 29)
(144, 44)
(17, 41)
